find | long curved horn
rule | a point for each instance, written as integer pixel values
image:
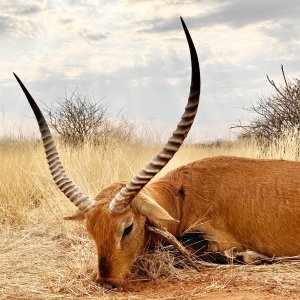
(60, 178)
(124, 197)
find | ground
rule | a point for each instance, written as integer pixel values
(52, 261)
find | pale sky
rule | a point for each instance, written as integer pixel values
(134, 54)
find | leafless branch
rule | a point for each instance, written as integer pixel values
(78, 119)
(275, 114)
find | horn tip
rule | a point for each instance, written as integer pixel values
(18, 79)
(185, 28)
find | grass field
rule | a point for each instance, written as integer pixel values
(44, 257)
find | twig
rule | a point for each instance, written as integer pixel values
(285, 258)
(171, 238)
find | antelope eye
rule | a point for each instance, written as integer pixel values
(127, 230)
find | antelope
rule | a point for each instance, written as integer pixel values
(249, 205)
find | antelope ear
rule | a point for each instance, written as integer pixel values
(78, 215)
(149, 208)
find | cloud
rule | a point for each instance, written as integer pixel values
(29, 10)
(66, 20)
(284, 32)
(166, 2)
(5, 25)
(92, 36)
(22, 8)
(13, 26)
(242, 13)
(20, 18)
(161, 25)
(234, 13)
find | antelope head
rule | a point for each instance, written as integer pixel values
(116, 218)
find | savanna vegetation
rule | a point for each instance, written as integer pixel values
(275, 114)
(78, 119)
(44, 257)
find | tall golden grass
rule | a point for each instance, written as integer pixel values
(44, 257)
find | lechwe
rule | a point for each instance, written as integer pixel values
(252, 206)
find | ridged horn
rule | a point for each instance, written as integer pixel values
(124, 197)
(60, 178)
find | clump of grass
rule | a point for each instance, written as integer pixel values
(162, 261)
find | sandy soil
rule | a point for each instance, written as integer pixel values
(214, 285)
(199, 290)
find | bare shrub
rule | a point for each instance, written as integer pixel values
(78, 119)
(118, 129)
(276, 114)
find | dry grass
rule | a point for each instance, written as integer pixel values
(44, 257)
(278, 279)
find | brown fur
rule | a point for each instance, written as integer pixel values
(235, 202)
(106, 228)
